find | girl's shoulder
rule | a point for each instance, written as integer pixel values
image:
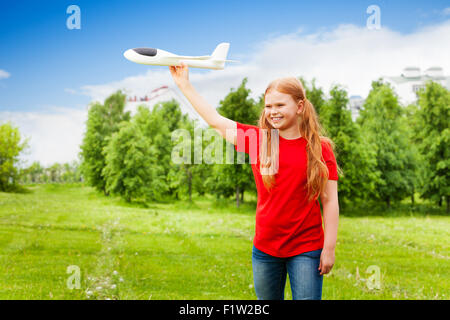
(327, 144)
(245, 127)
(247, 135)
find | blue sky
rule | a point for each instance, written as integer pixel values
(44, 58)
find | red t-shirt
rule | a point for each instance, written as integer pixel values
(286, 223)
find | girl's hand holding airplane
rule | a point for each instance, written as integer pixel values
(180, 74)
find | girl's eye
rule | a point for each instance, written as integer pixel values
(277, 106)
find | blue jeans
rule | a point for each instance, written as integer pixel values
(269, 275)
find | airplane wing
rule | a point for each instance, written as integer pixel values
(192, 58)
(202, 58)
(218, 60)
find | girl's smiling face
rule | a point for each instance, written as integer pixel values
(281, 110)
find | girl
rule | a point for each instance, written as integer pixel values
(289, 238)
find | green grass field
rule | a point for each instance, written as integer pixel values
(195, 251)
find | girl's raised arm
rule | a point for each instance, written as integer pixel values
(226, 127)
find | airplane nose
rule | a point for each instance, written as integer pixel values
(127, 53)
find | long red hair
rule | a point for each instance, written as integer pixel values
(310, 129)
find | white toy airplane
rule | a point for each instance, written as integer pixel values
(158, 57)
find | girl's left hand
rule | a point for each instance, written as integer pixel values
(326, 261)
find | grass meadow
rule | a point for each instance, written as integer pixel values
(200, 251)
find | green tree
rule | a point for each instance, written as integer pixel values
(354, 157)
(432, 135)
(314, 94)
(10, 148)
(188, 176)
(412, 124)
(103, 121)
(172, 114)
(158, 124)
(133, 169)
(382, 124)
(55, 172)
(235, 179)
(36, 171)
(70, 172)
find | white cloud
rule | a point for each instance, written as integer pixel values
(71, 91)
(4, 74)
(349, 55)
(446, 11)
(54, 136)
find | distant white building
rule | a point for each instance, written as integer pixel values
(163, 94)
(405, 86)
(412, 80)
(355, 104)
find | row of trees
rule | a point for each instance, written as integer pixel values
(12, 175)
(133, 156)
(68, 172)
(391, 152)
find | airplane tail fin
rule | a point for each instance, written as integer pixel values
(221, 52)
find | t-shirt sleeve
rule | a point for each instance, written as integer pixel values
(330, 161)
(247, 138)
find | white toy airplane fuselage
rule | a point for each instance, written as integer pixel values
(158, 57)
